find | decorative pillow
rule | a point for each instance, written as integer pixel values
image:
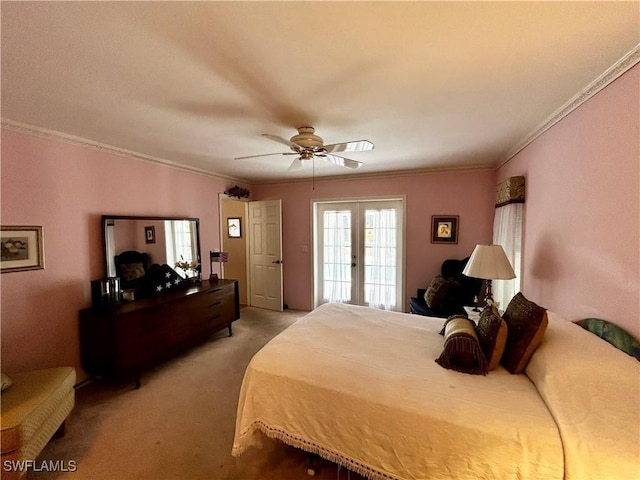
(613, 334)
(526, 323)
(462, 351)
(492, 333)
(437, 291)
(164, 278)
(6, 381)
(132, 271)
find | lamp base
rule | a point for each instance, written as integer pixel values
(213, 277)
(488, 298)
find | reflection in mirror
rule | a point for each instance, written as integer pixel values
(147, 241)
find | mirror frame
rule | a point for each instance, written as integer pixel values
(106, 218)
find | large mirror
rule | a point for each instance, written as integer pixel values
(147, 241)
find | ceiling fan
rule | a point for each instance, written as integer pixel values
(307, 146)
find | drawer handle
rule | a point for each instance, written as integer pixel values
(215, 304)
(213, 291)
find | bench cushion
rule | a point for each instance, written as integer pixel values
(34, 407)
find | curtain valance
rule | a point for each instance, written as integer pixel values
(510, 191)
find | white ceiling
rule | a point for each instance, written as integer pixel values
(434, 85)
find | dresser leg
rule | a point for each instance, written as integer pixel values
(230, 330)
(311, 469)
(137, 380)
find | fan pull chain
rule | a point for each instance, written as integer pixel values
(313, 172)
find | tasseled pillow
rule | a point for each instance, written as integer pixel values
(462, 351)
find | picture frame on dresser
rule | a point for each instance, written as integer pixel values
(22, 248)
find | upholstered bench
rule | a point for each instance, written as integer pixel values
(34, 408)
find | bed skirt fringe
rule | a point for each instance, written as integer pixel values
(309, 447)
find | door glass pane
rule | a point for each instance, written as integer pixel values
(380, 258)
(337, 256)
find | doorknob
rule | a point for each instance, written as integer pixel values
(353, 264)
(278, 262)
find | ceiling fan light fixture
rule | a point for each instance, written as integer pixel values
(307, 139)
(308, 146)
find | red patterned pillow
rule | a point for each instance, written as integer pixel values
(527, 323)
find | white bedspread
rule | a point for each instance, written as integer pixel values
(593, 392)
(361, 387)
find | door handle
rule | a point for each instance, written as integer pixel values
(353, 264)
(278, 262)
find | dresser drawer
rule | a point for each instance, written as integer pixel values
(214, 297)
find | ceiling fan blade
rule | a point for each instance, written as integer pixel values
(343, 162)
(357, 146)
(284, 141)
(256, 156)
(265, 155)
(295, 165)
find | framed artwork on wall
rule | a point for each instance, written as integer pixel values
(444, 229)
(234, 226)
(22, 248)
(150, 234)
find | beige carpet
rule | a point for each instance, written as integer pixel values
(180, 423)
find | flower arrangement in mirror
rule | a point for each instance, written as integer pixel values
(191, 269)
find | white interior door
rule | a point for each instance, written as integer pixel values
(358, 252)
(265, 254)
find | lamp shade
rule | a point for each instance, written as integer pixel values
(490, 263)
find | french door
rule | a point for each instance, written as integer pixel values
(358, 253)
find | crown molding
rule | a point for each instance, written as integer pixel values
(90, 144)
(101, 147)
(627, 62)
(612, 73)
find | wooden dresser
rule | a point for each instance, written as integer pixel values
(132, 336)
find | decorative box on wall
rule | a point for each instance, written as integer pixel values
(510, 191)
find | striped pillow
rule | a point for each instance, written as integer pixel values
(462, 351)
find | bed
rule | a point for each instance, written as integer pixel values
(360, 387)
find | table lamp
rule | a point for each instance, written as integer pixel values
(489, 262)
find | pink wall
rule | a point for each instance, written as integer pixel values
(582, 216)
(470, 195)
(582, 236)
(66, 188)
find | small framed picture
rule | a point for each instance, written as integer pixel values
(235, 227)
(22, 249)
(150, 234)
(444, 229)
